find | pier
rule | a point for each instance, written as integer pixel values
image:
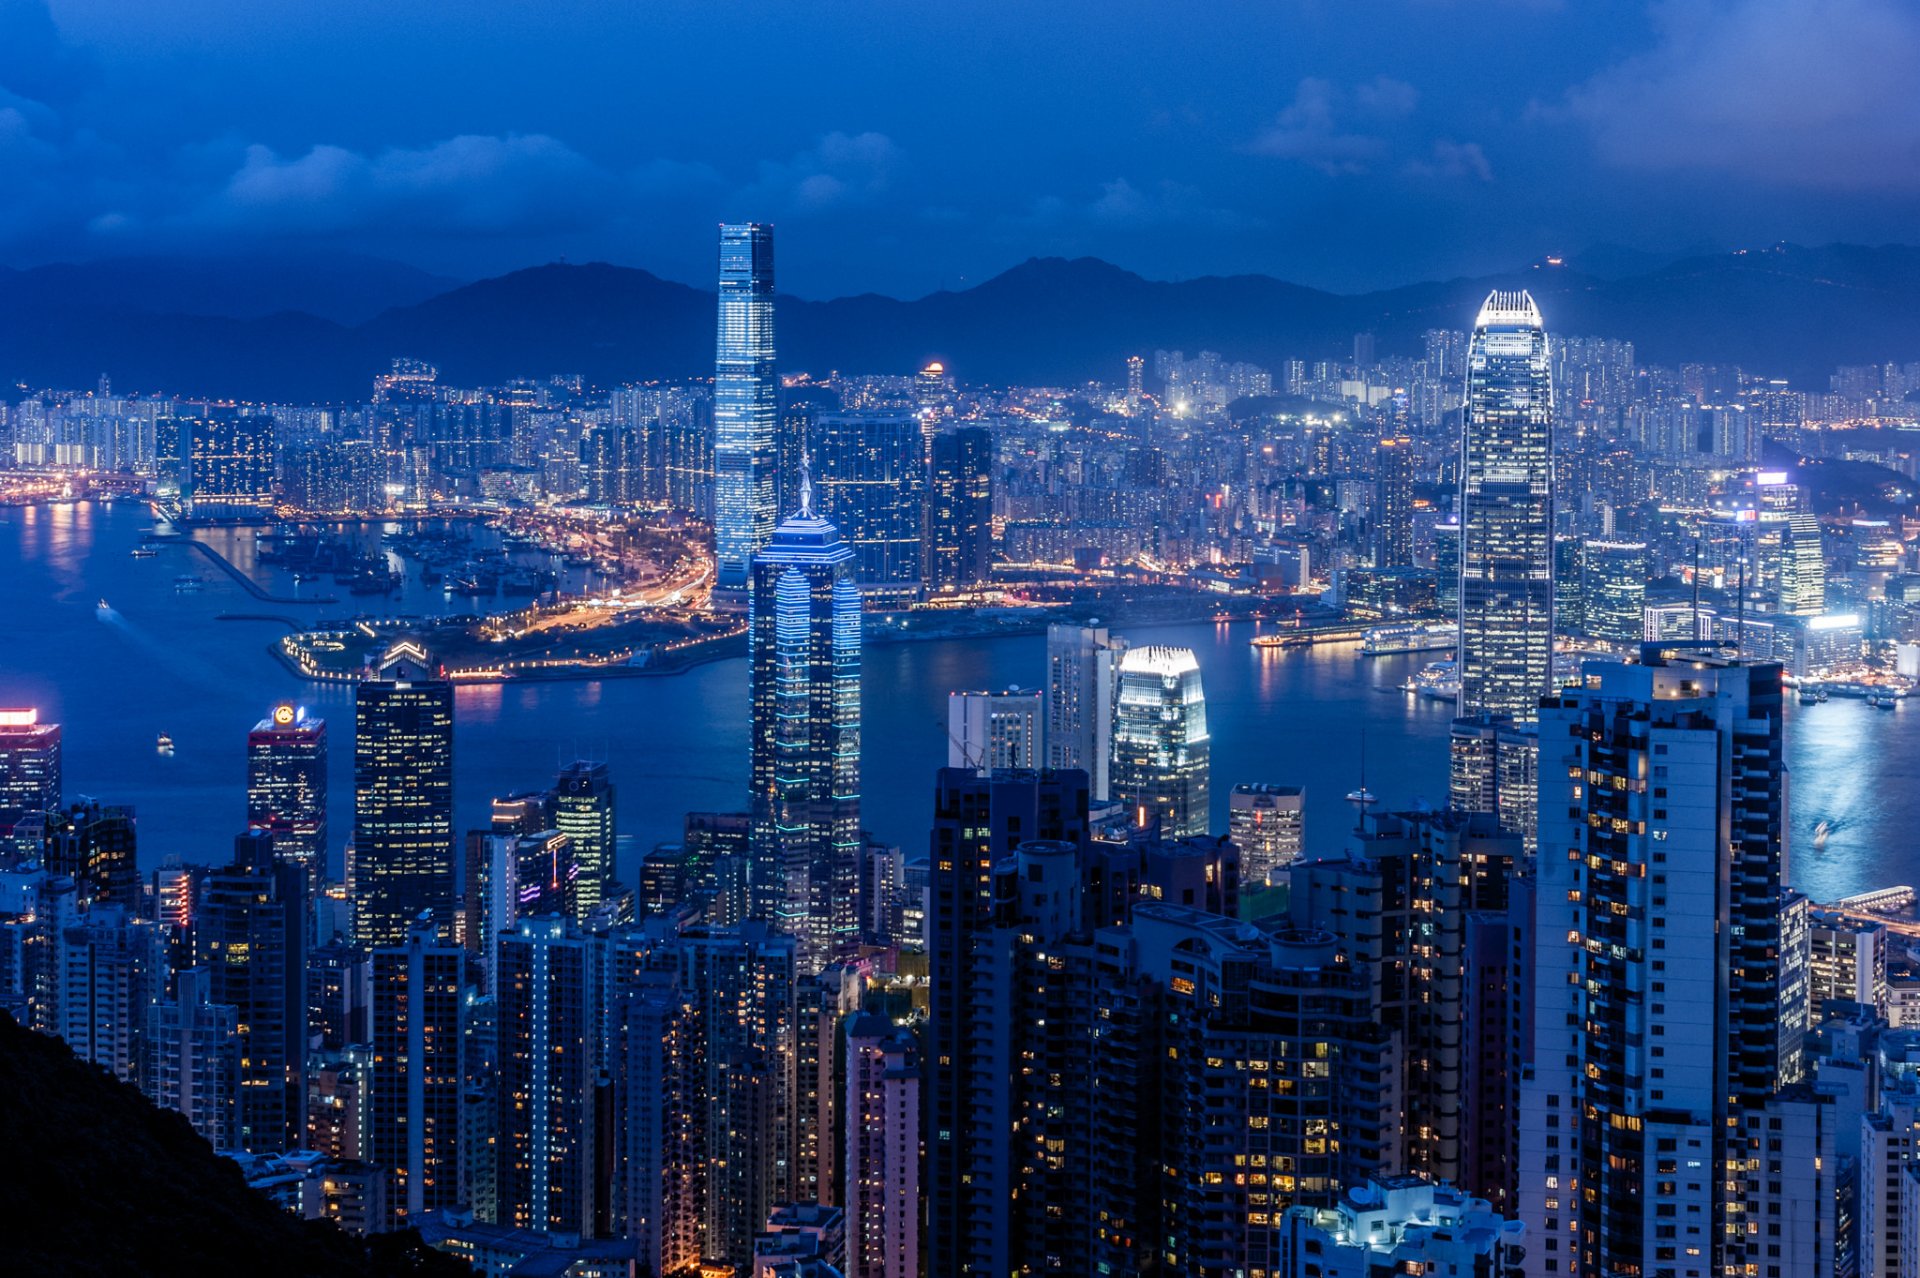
(247, 583)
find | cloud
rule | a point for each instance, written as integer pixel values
(1308, 131)
(840, 169)
(469, 185)
(1386, 97)
(1817, 94)
(1121, 204)
(1453, 160)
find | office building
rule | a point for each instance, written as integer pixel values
(1268, 824)
(869, 479)
(958, 540)
(1161, 750)
(250, 933)
(1492, 764)
(1613, 593)
(804, 644)
(989, 730)
(1803, 567)
(745, 403)
(29, 775)
(287, 786)
(414, 1093)
(401, 862)
(1667, 997)
(1847, 962)
(1083, 677)
(583, 804)
(1506, 512)
(883, 1150)
(547, 993)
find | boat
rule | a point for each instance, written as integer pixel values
(186, 582)
(1821, 833)
(103, 605)
(163, 744)
(1429, 636)
(143, 552)
(1362, 797)
(1280, 641)
(1884, 701)
(1808, 697)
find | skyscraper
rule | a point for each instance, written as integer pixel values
(1613, 595)
(95, 845)
(1161, 749)
(745, 402)
(287, 786)
(803, 622)
(29, 772)
(1803, 573)
(1082, 678)
(883, 1150)
(1268, 823)
(1666, 1005)
(413, 1119)
(230, 463)
(870, 478)
(548, 997)
(584, 811)
(250, 936)
(989, 730)
(191, 1057)
(958, 541)
(1506, 512)
(1393, 492)
(401, 862)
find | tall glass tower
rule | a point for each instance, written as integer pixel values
(401, 863)
(1161, 749)
(1506, 512)
(746, 406)
(287, 786)
(803, 624)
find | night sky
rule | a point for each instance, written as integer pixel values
(903, 146)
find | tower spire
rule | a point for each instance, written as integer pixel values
(806, 484)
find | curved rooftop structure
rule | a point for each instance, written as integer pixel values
(1159, 660)
(1506, 308)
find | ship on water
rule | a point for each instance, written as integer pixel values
(1405, 637)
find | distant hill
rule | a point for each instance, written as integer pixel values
(1786, 311)
(99, 1182)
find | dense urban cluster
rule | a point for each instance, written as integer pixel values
(1576, 1022)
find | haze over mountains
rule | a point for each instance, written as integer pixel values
(318, 329)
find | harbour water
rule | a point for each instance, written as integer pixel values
(158, 659)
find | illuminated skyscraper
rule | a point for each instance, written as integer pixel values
(958, 541)
(287, 786)
(870, 480)
(413, 1116)
(29, 772)
(1613, 595)
(803, 623)
(401, 862)
(1506, 512)
(584, 812)
(1803, 571)
(883, 1149)
(1669, 995)
(1393, 492)
(745, 401)
(1082, 676)
(1161, 750)
(548, 996)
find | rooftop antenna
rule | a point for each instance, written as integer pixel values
(806, 484)
(1363, 798)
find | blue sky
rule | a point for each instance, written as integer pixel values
(903, 146)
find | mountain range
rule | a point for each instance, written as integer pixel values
(318, 330)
